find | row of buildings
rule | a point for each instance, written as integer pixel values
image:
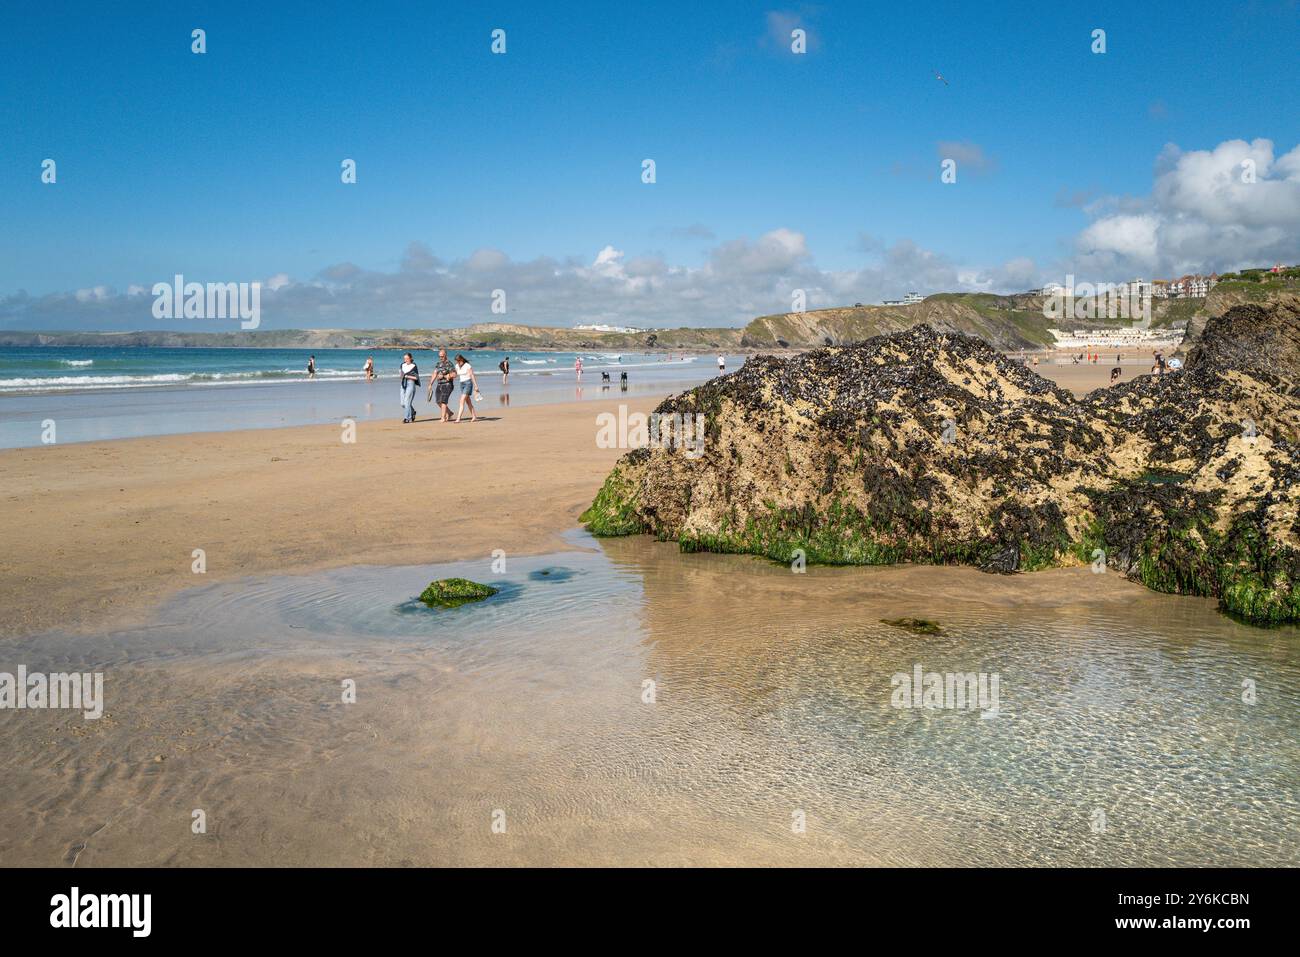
(1187, 287)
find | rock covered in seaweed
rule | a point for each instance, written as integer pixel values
(454, 592)
(929, 447)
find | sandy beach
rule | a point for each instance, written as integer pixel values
(97, 532)
(1086, 376)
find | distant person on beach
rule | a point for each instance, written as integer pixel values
(1115, 374)
(311, 367)
(504, 366)
(577, 366)
(722, 362)
(1159, 367)
(410, 380)
(441, 384)
(468, 386)
(369, 369)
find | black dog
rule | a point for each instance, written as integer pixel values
(604, 377)
(622, 377)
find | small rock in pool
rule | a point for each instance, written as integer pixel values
(453, 592)
(921, 626)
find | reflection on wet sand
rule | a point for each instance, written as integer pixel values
(629, 704)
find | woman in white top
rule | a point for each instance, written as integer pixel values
(410, 382)
(468, 386)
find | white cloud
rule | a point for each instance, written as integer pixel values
(774, 252)
(1232, 206)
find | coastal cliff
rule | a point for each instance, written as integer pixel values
(931, 446)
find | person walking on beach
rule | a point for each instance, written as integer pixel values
(722, 363)
(577, 367)
(1115, 374)
(410, 382)
(311, 367)
(441, 384)
(369, 369)
(468, 386)
(504, 366)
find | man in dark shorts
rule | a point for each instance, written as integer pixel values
(441, 383)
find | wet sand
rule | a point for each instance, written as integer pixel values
(95, 533)
(771, 736)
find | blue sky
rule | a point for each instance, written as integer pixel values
(774, 170)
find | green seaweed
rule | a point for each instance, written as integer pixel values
(454, 592)
(613, 512)
(920, 626)
(1177, 550)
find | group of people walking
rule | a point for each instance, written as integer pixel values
(447, 378)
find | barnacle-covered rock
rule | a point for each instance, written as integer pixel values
(933, 447)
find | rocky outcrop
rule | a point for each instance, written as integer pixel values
(929, 446)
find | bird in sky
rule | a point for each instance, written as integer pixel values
(939, 76)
